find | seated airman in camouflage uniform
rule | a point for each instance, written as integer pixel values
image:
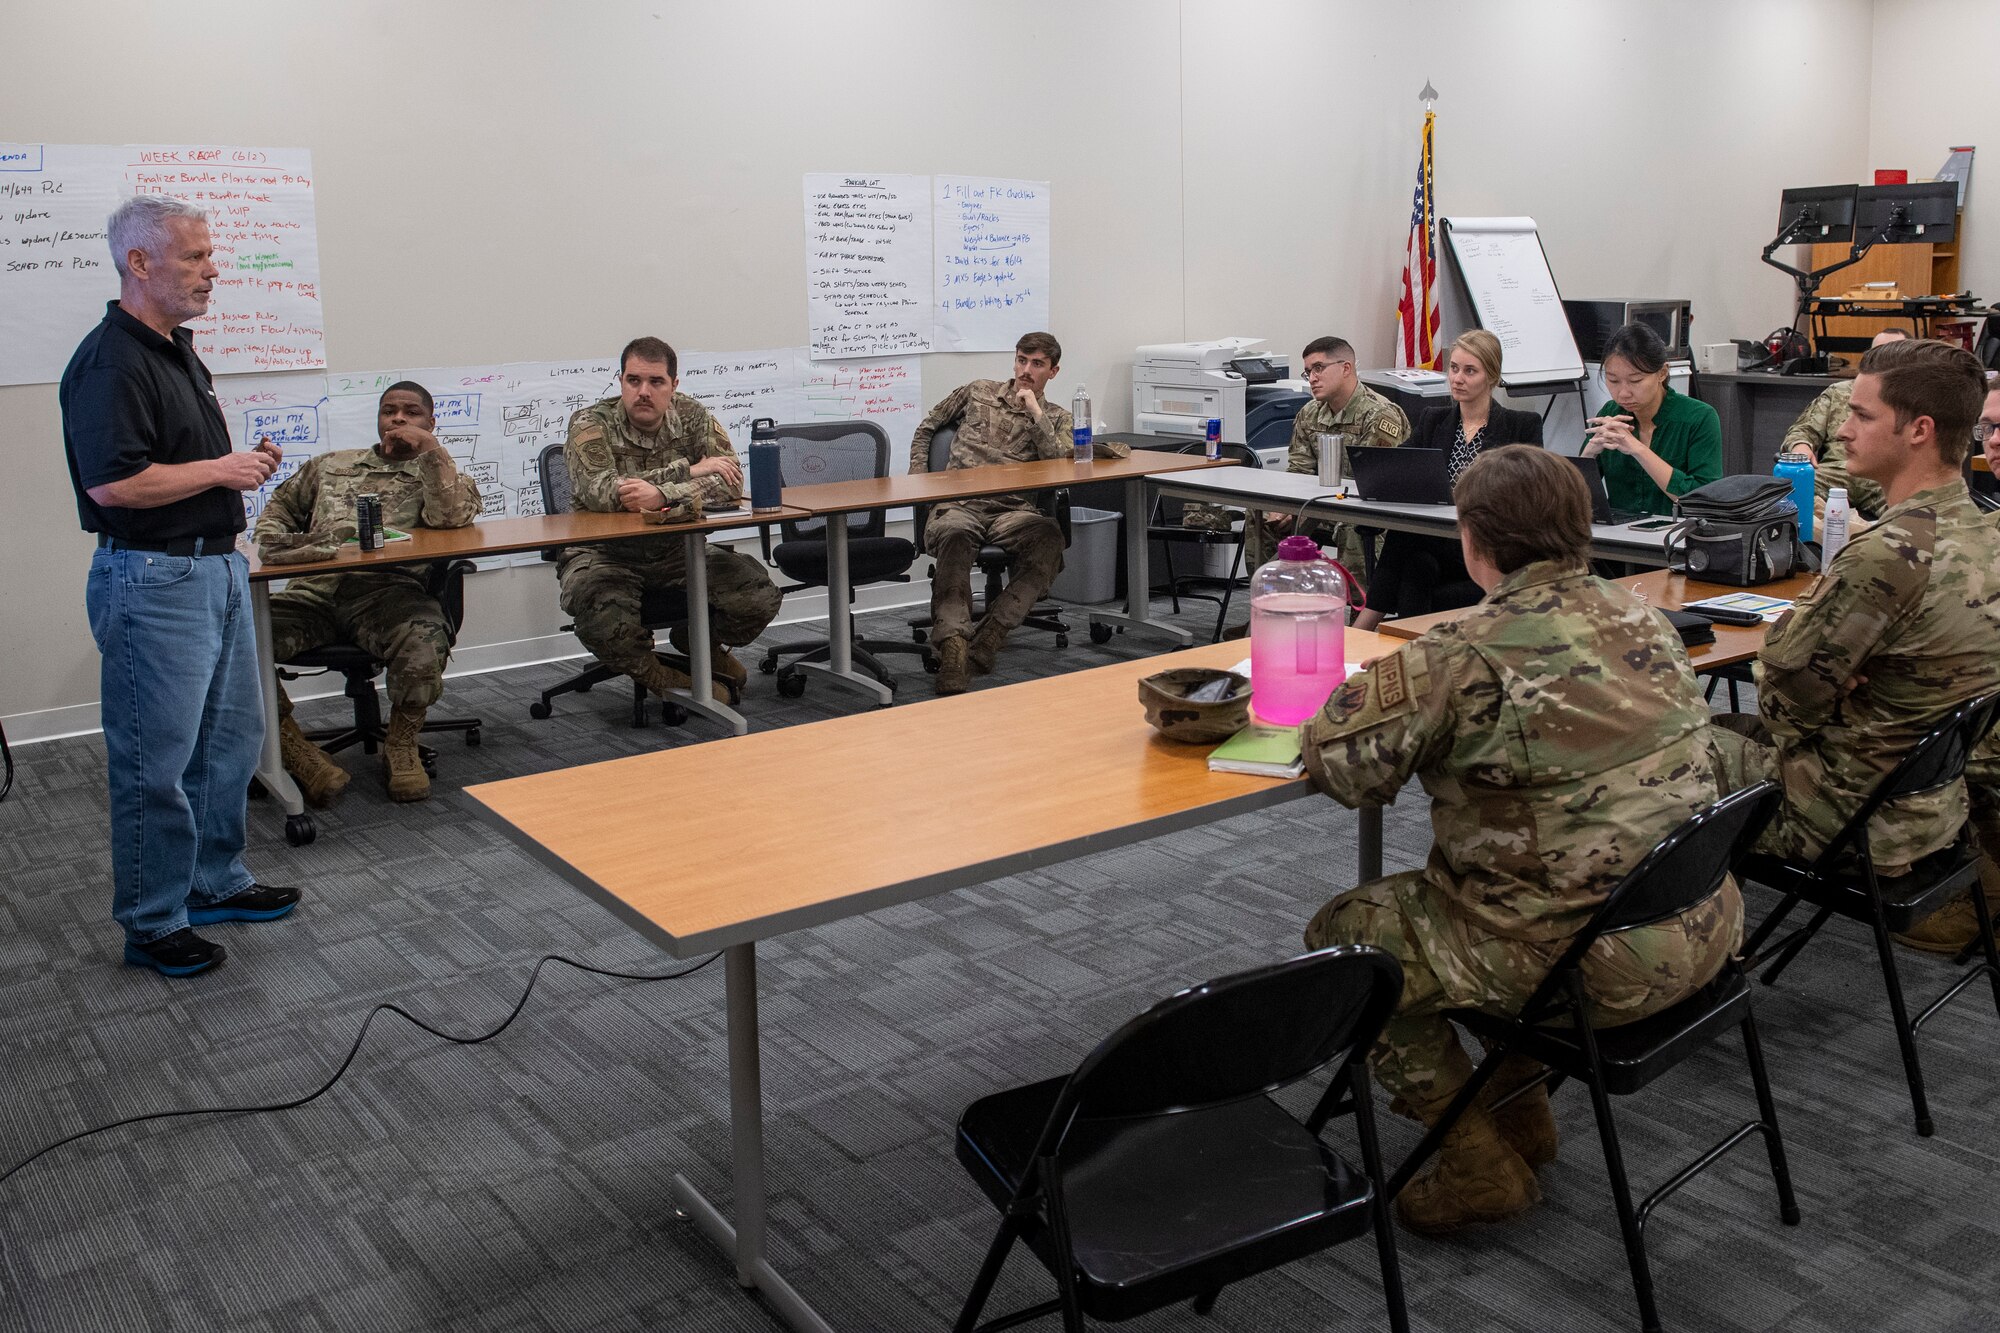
(1342, 405)
(998, 421)
(1902, 627)
(654, 449)
(390, 613)
(1561, 736)
(1817, 433)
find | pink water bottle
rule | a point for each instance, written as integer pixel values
(1298, 633)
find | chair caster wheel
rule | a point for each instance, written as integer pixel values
(792, 684)
(673, 714)
(472, 737)
(300, 829)
(540, 711)
(769, 664)
(919, 636)
(431, 767)
(1100, 633)
(1062, 640)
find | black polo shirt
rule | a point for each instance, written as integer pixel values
(131, 398)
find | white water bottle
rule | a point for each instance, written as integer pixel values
(1079, 413)
(1833, 532)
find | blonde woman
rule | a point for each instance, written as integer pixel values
(1413, 570)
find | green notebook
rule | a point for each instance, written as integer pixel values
(1268, 752)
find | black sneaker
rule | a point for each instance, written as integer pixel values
(181, 954)
(259, 902)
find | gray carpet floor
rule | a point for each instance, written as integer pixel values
(522, 1184)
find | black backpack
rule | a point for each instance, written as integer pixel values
(1740, 530)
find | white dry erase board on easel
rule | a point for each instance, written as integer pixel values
(1506, 274)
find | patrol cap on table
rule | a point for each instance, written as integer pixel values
(1196, 721)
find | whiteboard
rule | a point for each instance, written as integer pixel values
(1514, 295)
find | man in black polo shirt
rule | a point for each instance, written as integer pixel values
(168, 595)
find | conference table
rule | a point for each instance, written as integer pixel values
(1669, 591)
(829, 499)
(502, 536)
(1048, 770)
(1260, 488)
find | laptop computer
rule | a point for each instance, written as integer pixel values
(1400, 476)
(1600, 499)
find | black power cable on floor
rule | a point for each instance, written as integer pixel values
(355, 1049)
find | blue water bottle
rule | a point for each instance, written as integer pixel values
(1797, 469)
(767, 480)
(1214, 437)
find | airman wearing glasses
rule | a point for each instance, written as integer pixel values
(1350, 414)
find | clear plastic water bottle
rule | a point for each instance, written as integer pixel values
(1798, 469)
(1835, 534)
(1079, 412)
(1298, 633)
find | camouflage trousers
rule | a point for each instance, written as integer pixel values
(387, 614)
(1450, 963)
(1340, 540)
(602, 595)
(953, 535)
(1906, 831)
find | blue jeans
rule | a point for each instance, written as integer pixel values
(183, 729)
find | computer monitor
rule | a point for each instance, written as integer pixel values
(1816, 214)
(1908, 214)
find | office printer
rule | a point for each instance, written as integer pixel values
(1177, 387)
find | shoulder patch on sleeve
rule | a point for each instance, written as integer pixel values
(1392, 686)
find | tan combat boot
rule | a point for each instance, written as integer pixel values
(1527, 1123)
(723, 668)
(320, 780)
(984, 651)
(407, 779)
(1955, 925)
(952, 674)
(659, 678)
(1477, 1177)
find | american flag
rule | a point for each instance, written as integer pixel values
(1416, 308)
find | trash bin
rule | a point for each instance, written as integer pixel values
(1090, 564)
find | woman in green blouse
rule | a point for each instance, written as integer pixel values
(1652, 444)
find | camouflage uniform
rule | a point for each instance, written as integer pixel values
(1818, 429)
(1913, 605)
(1559, 732)
(389, 613)
(1369, 419)
(602, 585)
(992, 428)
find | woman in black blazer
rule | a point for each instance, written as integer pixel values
(1416, 575)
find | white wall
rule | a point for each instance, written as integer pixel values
(1933, 88)
(510, 180)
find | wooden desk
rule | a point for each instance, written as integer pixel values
(501, 536)
(847, 497)
(1669, 591)
(1045, 771)
(1254, 488)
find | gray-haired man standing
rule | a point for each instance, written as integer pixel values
(168, 595)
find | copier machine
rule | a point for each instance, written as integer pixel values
(1177, 387)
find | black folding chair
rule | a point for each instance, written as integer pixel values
(1554, 1028)
(1160, 1171)
(1843, 881)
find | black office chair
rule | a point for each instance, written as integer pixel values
(659, 609)
(812, 452)
(1166, 529)
(1554, 1026)
(992, 561)
(1160, 1171)
(1843, 881)
(444, 580)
